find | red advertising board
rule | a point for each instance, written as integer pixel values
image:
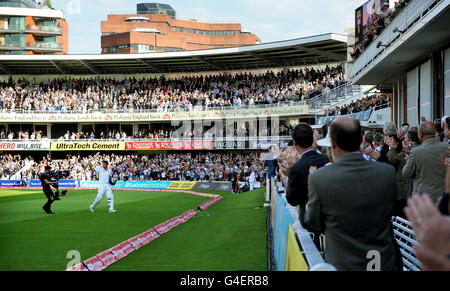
(148, 236)
(169, 145)
(122, 249)
(187, 215)
(94, 264)
(162, 228)
(135, 242)
(107, 257)
(174, 222)
(210, 202)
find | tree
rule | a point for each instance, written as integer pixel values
(48, 3)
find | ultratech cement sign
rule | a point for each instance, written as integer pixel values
(30, 145)
(88, 146)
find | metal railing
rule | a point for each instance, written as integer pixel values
(45, 29)
(330, 96)
(312, 255)
(412, 13)
(406, 238)
(160, 110)
(172, 139)
(7, 46)
(44, 45)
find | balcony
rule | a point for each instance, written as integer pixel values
(11, 30)
(44, 46)
(11, 47)
(417, 30)
(43, 30)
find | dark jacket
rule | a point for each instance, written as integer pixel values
(297, 188)
(351, 203)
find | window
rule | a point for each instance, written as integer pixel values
(15, 40)
(17, 23)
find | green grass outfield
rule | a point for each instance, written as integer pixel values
(230, 235)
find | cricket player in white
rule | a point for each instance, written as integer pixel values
(252, 180)
(104, 174)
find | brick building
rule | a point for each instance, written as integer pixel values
(161, 32)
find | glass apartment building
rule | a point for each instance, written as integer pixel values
(28, 28)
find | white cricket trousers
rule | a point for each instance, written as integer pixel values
(102, 188)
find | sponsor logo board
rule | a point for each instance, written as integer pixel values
(87, 146)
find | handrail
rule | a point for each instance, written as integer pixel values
(130, 139)
(169, 110)
(376, 108)
(331, 95)
(405, 238)
(309, 250)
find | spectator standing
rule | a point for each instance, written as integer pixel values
(351, 202)
(297, 184)
(424, 163)
(396, 157)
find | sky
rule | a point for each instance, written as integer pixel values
(270, 20)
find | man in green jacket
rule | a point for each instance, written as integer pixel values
(424, 163)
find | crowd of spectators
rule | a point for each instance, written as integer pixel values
(181, 93)
(381, 20)
(172, 167)
(143, 134)
(22, 135)
(373, 101)
(10, 164)
(354, 182)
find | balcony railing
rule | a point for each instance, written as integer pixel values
(11, 46)
(45, 46)
(169, 110)
(330, 96)
(173, 139)
(45, 29)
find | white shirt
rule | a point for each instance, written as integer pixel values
(103, 175)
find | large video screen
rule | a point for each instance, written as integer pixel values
(364, 17)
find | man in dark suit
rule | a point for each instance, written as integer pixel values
(351, 202)
(297, 184)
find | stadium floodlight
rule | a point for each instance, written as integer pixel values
(380, 44)
(398, 30)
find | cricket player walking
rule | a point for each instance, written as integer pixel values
(252, 180)
(104, 177)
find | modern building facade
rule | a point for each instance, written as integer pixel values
(156, 8)
(28, 28)
(159, 31)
